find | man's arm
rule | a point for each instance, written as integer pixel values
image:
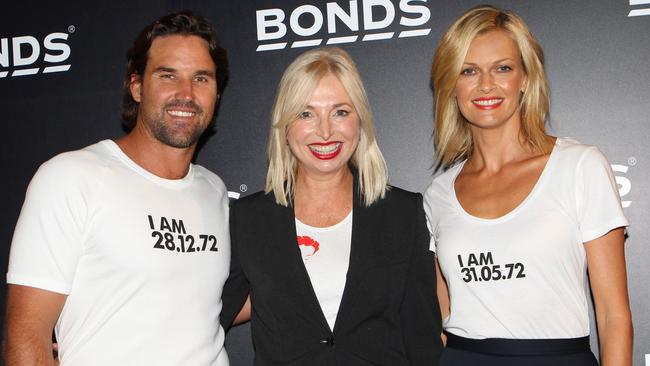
(236, 300)
(31, 315)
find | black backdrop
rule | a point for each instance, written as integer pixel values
(597, 60)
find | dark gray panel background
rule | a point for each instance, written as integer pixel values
(597, 61)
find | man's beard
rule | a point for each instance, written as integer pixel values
(167, 133)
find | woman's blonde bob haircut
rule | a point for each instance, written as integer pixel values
(452, 137)
(293, 94)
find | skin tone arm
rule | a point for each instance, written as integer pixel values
(244, 314)
(31, 315)
(443, 297)
(608, 280)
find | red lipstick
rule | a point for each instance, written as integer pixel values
(326, 150)
(487, 103)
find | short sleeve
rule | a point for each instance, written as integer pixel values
(47, 241)
(598, 202)
(428, 212)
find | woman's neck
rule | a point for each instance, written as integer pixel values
(493, 149)
(323, 201)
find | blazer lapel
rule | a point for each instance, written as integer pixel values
(295, 264)
(364, 236)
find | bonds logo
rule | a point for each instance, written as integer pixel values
(624, 184)
(375, 23)
(29, 53)
(641, 11)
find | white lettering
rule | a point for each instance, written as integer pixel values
(351, 20)
(4, 52)
(54, 46)
(19, 60)
(369, 23)
(624, 184)
(277, 17)
(425, 13)
(295, 24)
(307, 20)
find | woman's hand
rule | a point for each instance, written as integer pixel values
(244, 314)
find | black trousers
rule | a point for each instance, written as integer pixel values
(516, 352)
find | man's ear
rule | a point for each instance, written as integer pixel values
(135, 86)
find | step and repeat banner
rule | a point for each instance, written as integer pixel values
(62, 63)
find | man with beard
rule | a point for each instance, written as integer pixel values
(123, 247)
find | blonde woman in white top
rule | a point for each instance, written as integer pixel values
(518, 215)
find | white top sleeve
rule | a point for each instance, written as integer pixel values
(47, 242)
(598, 202)
(427, 210)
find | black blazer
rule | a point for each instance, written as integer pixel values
(389, 314)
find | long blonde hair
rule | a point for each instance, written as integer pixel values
(293, 94)
(452, 137)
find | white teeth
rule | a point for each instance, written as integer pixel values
(325, 149)
(181, 113)
(488, 101)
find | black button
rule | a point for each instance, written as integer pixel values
(328, 341)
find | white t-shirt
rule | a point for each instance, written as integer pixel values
(141, 259)
(326, 255)
(523, 275)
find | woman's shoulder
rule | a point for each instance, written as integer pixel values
(255, 201)
(572, 153)
(398, 193)
(442, 184)
(397, 197)
(572, 146)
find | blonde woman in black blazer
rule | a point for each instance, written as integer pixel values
(376, 303)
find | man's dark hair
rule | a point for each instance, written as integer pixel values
(179, 23)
